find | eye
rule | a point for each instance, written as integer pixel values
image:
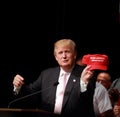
(102, 81)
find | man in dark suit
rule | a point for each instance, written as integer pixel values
(79, 89)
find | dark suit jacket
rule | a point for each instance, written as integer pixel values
(75, 102)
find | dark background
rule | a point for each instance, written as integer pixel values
(29, 29)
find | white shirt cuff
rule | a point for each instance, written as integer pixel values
(83, 86)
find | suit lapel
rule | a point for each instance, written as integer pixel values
(54, 78)
(73, 83)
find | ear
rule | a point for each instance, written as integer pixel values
(55, 57)
(75, 55)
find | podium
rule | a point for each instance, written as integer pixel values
(13, 112)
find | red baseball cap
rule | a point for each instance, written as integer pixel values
(97, 61)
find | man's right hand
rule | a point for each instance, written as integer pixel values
(18, 81)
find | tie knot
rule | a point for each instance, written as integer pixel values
(64, 74)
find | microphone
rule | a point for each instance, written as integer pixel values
(37, 92)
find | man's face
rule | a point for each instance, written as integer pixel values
(104, 79)
(65, 56)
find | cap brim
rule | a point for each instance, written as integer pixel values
(98, 67)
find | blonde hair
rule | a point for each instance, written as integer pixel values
(65, 42)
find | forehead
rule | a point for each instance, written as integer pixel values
(64, 49)
(104, 76)
(64, 45)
